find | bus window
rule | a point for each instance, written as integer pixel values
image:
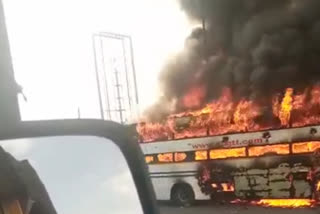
(166, 157)
(180, 156)
(201, 155)
(280, 149)
(305, 147)
(149, 159)
(227, 153)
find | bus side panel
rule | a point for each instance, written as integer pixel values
(196, 188)
(165, 176)
(162, 187)
(263, 177)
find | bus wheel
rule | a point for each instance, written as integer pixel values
(182, 195)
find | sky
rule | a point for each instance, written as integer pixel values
(53, 60)
(51, 47)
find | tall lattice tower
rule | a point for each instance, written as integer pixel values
(116, 78)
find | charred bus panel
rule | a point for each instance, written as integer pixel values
(260, 177)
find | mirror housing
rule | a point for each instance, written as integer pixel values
(115, 132)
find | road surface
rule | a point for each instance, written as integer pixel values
(233, 209)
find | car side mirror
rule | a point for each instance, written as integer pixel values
(46, 164)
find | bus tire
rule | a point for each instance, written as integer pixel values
(182, 195)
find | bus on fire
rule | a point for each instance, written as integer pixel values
(275, 164)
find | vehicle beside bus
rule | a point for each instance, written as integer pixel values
(278, 164)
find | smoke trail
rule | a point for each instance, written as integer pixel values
(256, 48)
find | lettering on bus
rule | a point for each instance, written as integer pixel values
(201, 145)
(227, 144)
(246, 142)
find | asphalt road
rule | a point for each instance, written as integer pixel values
(233, 209)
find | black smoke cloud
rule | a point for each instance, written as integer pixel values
(255, 47)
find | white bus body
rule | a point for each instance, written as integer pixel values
(165, 175)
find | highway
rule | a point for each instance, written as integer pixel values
(233, 209)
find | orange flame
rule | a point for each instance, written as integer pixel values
(286, 107)
(280, 149)
(151, 131)
(276, 105)
(194, 98)
(286, 203)
(224, 115)
(180, 156)
(318, 186)
(166, 157)
(227, 153)
(227, 187)
(244, 115)
(214, 185)
(305, 147)
(201, 155)
(149, 159)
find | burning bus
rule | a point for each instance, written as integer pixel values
(238, 115)
(225, 151)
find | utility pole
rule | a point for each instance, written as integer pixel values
(79, 113)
